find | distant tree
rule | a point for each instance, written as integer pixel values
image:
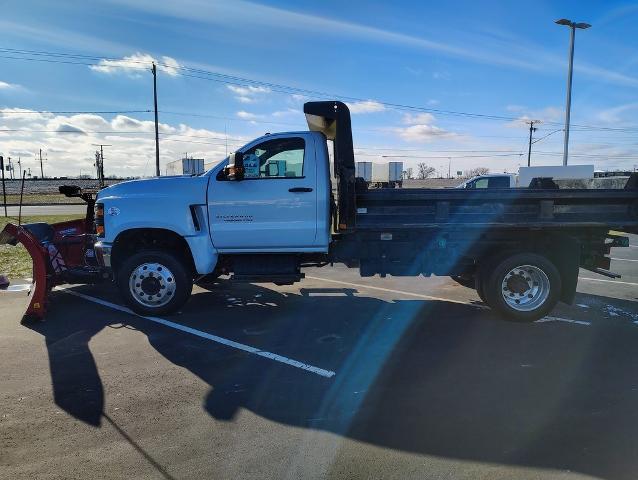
(408, 174)
(425, 171)
(473, 172)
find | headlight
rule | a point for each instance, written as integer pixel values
(99, 219)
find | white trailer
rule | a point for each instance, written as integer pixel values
(364, 170)
(185, 166)
(380, 174)
(395, 171)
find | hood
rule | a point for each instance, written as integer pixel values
(192, 189)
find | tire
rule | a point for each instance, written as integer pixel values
(164, 289)
(479, 288)
(522, 287)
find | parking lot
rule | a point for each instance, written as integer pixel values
(337, 376)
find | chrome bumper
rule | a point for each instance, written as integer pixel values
(103, 254)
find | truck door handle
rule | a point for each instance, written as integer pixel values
(300, 189)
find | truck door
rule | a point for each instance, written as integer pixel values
(275, 206)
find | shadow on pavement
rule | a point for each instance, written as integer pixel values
(429, 377)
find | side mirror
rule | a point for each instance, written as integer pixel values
(235, 168)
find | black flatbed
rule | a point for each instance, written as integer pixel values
(497, 208)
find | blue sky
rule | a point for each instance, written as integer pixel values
(505, 59)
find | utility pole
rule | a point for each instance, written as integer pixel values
(4, 191)
(157, 163)
(10, 167)
(41, 169)
(99, 162)
(572, 34)
(532, 129)
(20, 166)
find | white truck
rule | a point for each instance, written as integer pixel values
(268, 211)
(527, 174)
(492, 180)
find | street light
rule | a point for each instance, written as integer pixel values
(572, 27)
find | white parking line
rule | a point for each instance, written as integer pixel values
(624, 259)
(558, 319)
(606, 281)
(429, 297)
(400, 292)
(208, 336)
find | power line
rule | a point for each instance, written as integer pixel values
(71, 112)
(277, 87)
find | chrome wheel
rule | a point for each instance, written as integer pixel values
(525, 288)
(152, 284)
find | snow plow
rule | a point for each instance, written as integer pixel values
(61, 252)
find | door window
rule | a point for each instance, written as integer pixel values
(276, 158)
(481, 183)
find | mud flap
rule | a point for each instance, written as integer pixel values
(14, 234)
(566, 257)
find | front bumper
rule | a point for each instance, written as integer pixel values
(103, 254)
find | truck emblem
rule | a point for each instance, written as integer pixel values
(113, 211)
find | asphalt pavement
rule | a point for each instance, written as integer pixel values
(335, 377)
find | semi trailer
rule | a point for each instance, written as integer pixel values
(256, 221)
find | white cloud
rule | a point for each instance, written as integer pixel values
(418, 118)
(420, 128)
(67, 142)
(615, 115)
(440, 75)
(136, 63)
(247, 94)
(247, 115)
(365, 106)
(547, 114)
(68, 128)
(8, 86)
(423, 133)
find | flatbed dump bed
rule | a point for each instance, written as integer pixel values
(497, 209)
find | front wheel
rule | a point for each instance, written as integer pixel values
(154, 282)
(523, 287)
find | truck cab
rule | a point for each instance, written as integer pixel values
(284, 187)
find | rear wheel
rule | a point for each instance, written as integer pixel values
(154, 282)
(523, 287)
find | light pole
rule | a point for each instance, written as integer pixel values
(572, 33)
